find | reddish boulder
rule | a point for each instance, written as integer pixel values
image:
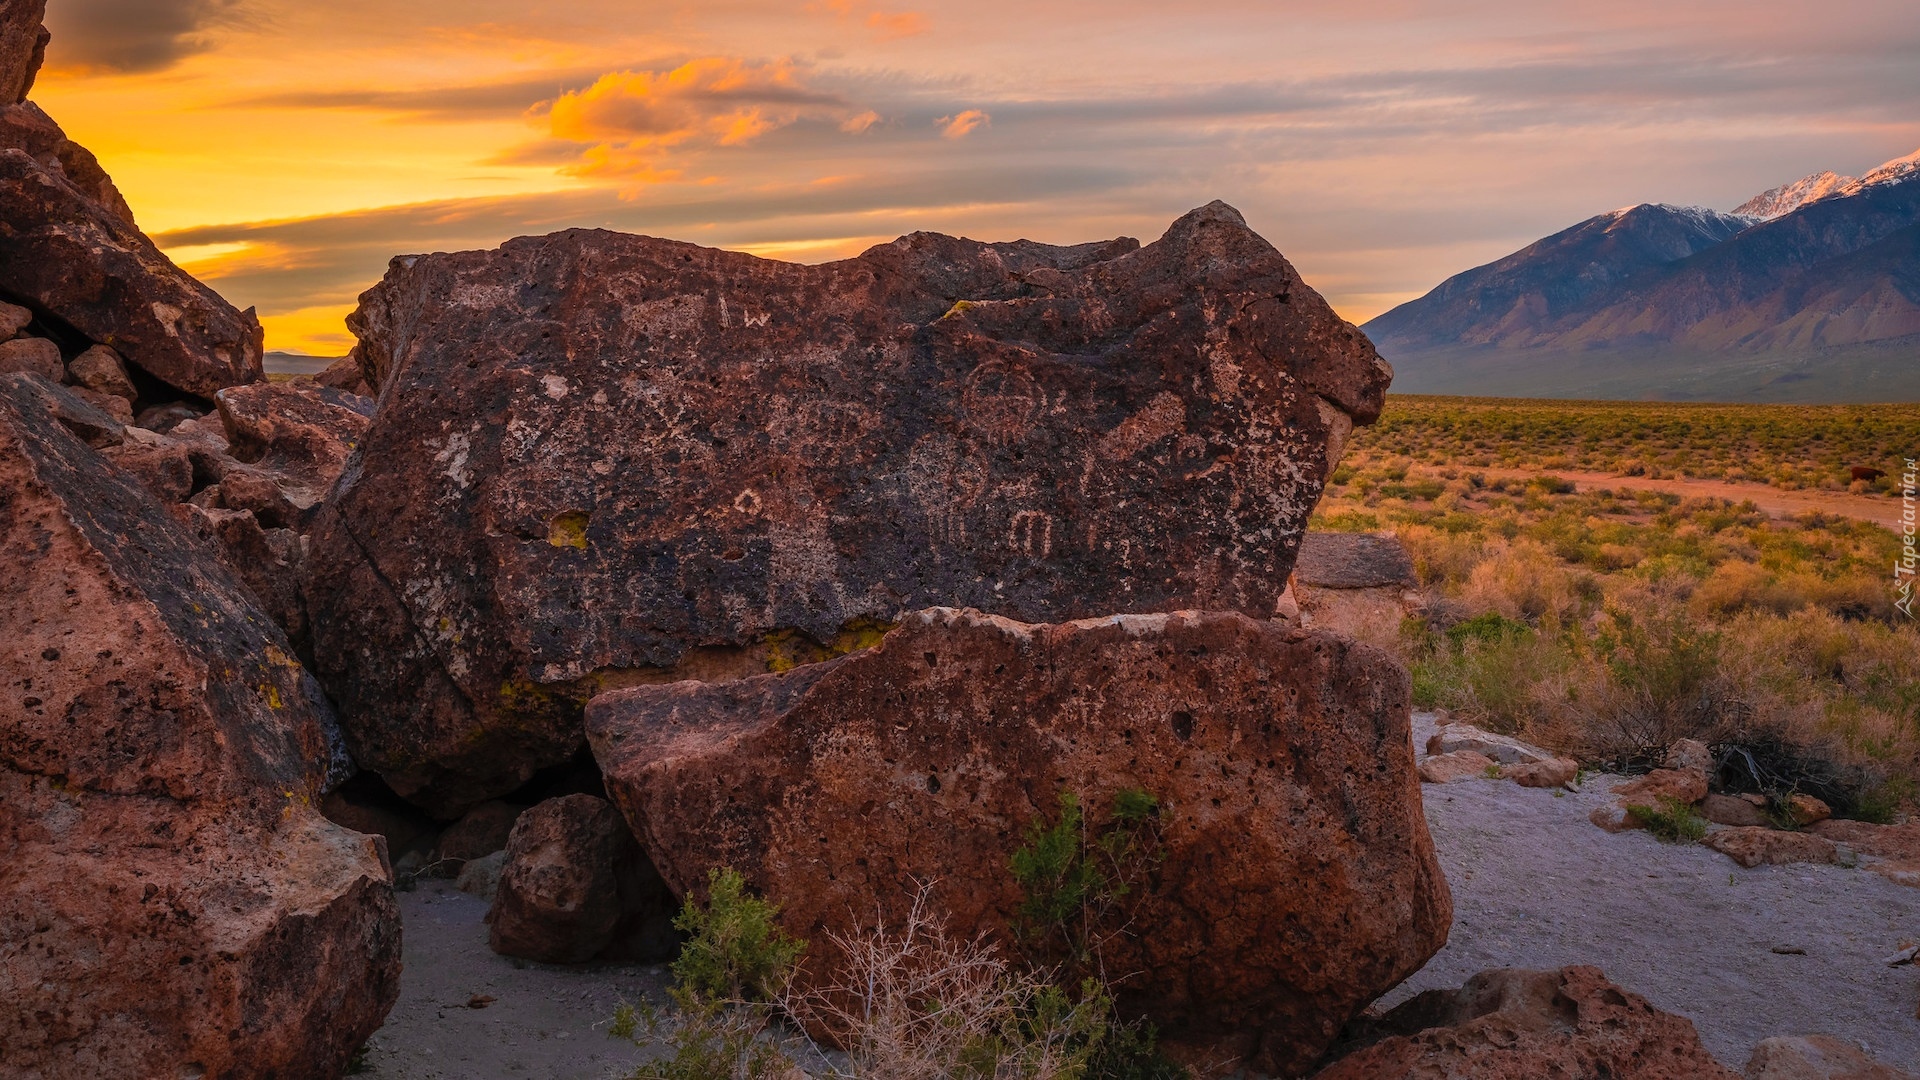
(1551, 773)
(1295, 880)
(1451, 768)
(23, 45)
(1727, 810)
(1527, 1025)
(171, 903)
(162, 465)
(1685, 786)
(603, 459)
(32, 354)
(288, 443)
(69, 247)
(571, 885)
(269, 562)
(484, 830)
(1753, 846)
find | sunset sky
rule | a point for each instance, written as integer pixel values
(284, 150)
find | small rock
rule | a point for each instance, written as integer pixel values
(1806, 810)
(13, 319)
(1901, 842)
(1904, 956)
(1686, 786)
(1788, 950)
(1504, 749)
(161, 465)
(1751, 846)
(1690, 754)
(38, 355)
(1727, 810)
(481, 877)
(100, 368)
(1451, 768)
(1524, 1025)
(558, 899)
(1553, 773)
(1816, 1057)
(1615, 818)
(117, 407)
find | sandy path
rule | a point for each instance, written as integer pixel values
(1536, 885)
(546, 1022)
(1774, 501)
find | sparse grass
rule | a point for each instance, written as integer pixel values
(1672, 822)
(1607, 623)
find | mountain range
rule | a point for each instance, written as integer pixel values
(1807, 292)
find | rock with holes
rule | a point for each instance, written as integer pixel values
(604, 459)
(1293, 880)
(1529, 1025)
(171, 902)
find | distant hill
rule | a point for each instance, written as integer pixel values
(1811, 293)
(288, 363)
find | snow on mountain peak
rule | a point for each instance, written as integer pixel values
(1785, 199)
(1897, 169)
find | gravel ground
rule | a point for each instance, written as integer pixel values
(1536, 885)
(545, 1022)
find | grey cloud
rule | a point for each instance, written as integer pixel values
(129, 35)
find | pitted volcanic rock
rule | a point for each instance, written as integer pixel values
(1294, 879)
(603, 459)
(171, 902)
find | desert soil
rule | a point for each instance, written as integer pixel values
(1535, 885)
(1776, 502)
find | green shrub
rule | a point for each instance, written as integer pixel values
(734, 951)
(1672, 822)
(1075, 878)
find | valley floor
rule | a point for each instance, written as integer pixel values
(1773, 501)
(1535, 885)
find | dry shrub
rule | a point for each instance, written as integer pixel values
(1522, 580)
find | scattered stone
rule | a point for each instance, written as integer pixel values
(32, 354)
(1816, 1057)
(1690, 755)
(1553, 773)
(99, 368)
(161, 465)
(172, 904)
(605, 459)
(1895, 849)
(1685, 786)
(1504, 749)
(1905, 956)
(1525, 1025)
(1455, 767)
(1750, 847)
(482, 831)
(1281, 758)
(1788, 950)
(481, 877)
(1726, 810)
(1615, 818)
(13, 319)
(1806, 810)
(113, 405)
(558, 900)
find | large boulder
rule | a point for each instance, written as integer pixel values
(574, 886)
(605, 459)
(1294, 881)
(1527, 1025)
(171, 901)
(70, 249)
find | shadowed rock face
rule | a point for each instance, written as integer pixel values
(69, 247)
(171, 903)
(1296, 880)
(603, 459)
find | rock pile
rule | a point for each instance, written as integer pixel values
(172, 903)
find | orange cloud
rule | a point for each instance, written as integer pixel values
(964, 124)
(886, 25)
